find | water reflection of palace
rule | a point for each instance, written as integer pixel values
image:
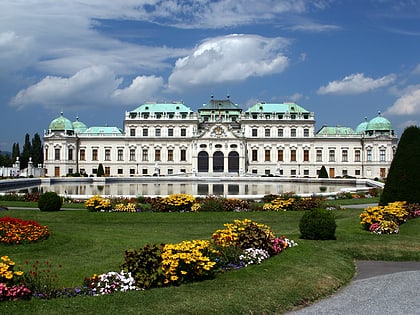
(220, 139)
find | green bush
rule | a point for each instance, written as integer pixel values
(50, 201)
(212, 203)
(323, 172)
(145, 266)
(317, 224)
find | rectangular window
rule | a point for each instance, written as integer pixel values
(280, 132)
(267, 132)
(120, 154)
(279, 155)
(70, 154)
(382, 156)
(145, 155)
(82, 154)
(306, 173)
(357, 155)
(144, 171)
(157, 132)
(254, 155)
(120, 171)
(183, 132)
(132, 132)
(170, 155)
(57, 154)
(254, 132)
(132, 171)
(157, 154)
(306, 155)
(306, 132)
(107, 171)
(319, 155)
(293, 132)
(170, 132)
(170, 171)
(107, 154)
(145, 132)
(267, 154)
(292, 155)
(345, 155)
(331, 155)
(357, 173)
(293, 172)
(94, 154)
(345, 173)
(183, 155)
(369, 155)
(132, 154)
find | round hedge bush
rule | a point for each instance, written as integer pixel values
(50, 201)
(317, 224)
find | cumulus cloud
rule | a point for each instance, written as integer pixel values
(229, 58)
(408, 103)
(356, 84)
(141, 88)
(90, 87)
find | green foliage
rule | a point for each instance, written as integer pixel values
(317, 224)
(404, 174)
(255, 236)
(101, 171)
(234, 204)
(212, 203)
(323, 172)
(145, 266)
(50, 201)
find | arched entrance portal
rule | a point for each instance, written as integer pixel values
(203, 162)
(233, 162)
(218, 162)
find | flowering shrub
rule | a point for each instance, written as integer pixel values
(178, 202)
(384, 227)
(12, 287)
(195, 207)
(110, 282)
(234, 204)
(395, 211)
(252, 256)
(17, 231)
(41, 279)
(279, 204)
(187, 261)
(122, 207)
(97, 203)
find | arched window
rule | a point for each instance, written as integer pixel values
(203, 161)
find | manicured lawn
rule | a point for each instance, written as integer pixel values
(85, 243)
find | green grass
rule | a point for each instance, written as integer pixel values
(85, 243)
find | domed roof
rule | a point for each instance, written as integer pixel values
(361, 128)
(379, 123)
(79, 126)
(61, 124)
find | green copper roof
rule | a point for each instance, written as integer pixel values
(78, 126)
(379, 123)
(162, 108)
(222, 105)
(103, 131)
(334, 131)
(361, 128)
(276, 108)
(61, 124)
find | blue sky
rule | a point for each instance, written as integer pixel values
(96, 59)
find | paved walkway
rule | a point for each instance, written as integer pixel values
(378, 288)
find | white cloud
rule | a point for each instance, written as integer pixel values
(314, 27)
(408, 103)
(229, 58)
(356, 84)
(141, 89)
(89, 87)
(417, 69)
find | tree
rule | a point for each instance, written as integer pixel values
(26, 152)
(15, 152)
(36, 150)
(403, 179)
(323, 172)
(100, 172)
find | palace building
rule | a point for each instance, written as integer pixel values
(220, 139)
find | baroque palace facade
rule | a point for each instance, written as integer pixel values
(220, 139)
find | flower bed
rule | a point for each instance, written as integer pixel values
(17, 231)
(12, 287)
(387, 219)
